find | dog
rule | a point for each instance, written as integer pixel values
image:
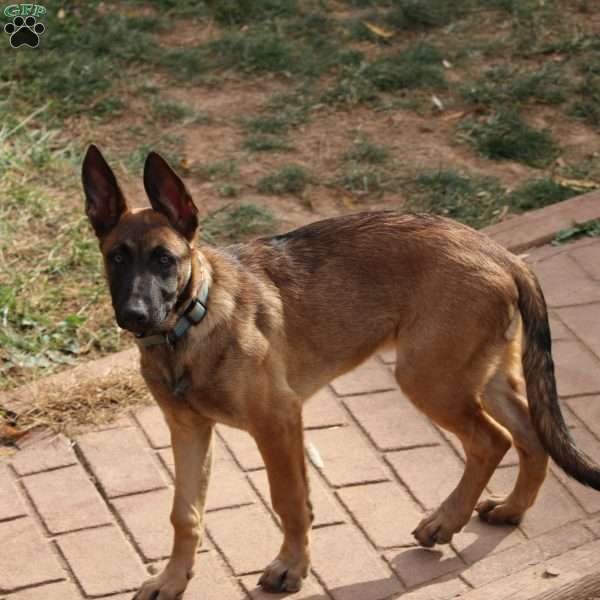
(245, 334)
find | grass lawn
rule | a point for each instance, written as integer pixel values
(277, 113)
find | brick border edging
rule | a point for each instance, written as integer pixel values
(534, 228)
(586, 587)
(538, 227)
(20, 398)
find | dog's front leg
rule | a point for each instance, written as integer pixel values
(192, 452)
(281, 442)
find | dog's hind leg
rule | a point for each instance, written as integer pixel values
(451, 399)
(280, 440)
(504, 398)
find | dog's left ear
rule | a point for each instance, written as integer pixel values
(169, 196)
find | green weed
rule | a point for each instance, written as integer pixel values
(425, 14)
(237, 12)
(217, 170)
(290, 179)
(476, 201)
(505, 135)
(228, 190)
(364, 151)
(267, 124)
(170, 111)
(262, 50)
(417, 67)
(502, 85)
(587, 107)
(236, 224)
(587, 228)
(189, 64)
(168, 146)
(265, 143)
(539, 193)
(364, 181)
(109, 107)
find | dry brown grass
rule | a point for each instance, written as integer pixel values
(89, 404)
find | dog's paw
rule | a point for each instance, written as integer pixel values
(281, 576)
(435, 528)
(499, 511)
(165, 586)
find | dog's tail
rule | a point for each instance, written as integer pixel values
(541, 384)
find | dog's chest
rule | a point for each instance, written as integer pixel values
(195, 384)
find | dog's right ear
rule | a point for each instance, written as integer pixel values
(104, 201)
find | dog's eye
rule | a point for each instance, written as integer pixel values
(117, 258)
(164, 259)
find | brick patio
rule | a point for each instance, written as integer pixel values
(88, 517)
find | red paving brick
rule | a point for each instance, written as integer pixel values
(212, 581)
(561, 540)
(587, 258)
(558, 329)
(347, 458)
(54, 591)
(585, 323)
(247, 535)
(533, 580)
(243, 447)
(146, 518)
(44, 453)
(371, 376)
(349, 567)
(553, 507)
(66, 499)
(587, 408)
(391, 421)
(594, 526)
(120, 462)
(431, 485)
(588, 443)
(228, 485)
(478, 539)
(442, 589)
(577, 369)
(385, 512)
(26, 558)
(152, 422)
(326, 509)
(415, 566)
(323, 410)
(565, 282)
(102, 560)
(11, 503)
(503, 564)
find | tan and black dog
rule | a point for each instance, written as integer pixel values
(245, 334)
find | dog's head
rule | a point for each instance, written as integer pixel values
(148, 254)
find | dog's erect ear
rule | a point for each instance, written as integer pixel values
(104, 201)
(169, 196)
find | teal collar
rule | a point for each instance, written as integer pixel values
(192, 316)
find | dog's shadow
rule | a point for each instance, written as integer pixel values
(419, 568)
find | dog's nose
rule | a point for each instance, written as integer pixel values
(135, 318)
